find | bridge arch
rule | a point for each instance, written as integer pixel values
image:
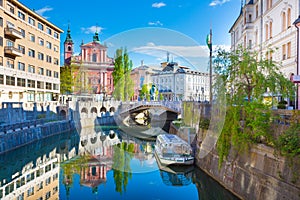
(94, 110)
(103, 109)
(84, 110)
(63, 114)
(94, 140)
(112, 109)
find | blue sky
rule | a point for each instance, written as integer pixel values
(148, 28)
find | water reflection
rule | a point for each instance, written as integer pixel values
(108, 164)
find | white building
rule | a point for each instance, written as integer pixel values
(180, 83)
(268, 24)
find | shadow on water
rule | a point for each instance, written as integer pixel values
(209, 189)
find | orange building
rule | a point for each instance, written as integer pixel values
(95, 66)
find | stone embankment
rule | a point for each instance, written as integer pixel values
(260, 173)
(19, 134)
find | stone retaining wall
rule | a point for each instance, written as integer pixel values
(14, 139)
(257, 174)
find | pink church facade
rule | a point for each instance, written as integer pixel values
(94, 63)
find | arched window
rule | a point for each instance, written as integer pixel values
(267, 31)
(283, 21)
(289, 17)
(94, 59)
(271, 27)
(69, 48)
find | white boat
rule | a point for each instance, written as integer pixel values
(171, 149)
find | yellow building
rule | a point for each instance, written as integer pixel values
(29, 56)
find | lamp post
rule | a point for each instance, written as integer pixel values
(297, 25)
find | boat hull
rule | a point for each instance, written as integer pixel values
(173, 161)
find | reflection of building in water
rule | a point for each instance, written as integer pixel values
(94, 172)
(36, 180)
(99, 148)
(32, 171)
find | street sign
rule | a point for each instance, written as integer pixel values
(296, 79)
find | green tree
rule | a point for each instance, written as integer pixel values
(118, 75)
(247, 78)
(129, 85)
(66, 82)
(145, 92)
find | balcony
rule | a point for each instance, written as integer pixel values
(9, 50)
(13, 33)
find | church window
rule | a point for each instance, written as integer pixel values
(94, 59)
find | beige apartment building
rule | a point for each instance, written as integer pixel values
(268, 24)
(29, 56)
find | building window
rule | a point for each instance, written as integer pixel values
(11, 8)
(48, 45)
(55, 61)
(289, 50)
(31, 37)
(41, 71)
(30, 191)
(21, 48)
(269, 4)
(48, 72)
(55, 35)
(21, 15)
(56, 75)
(283, 52)
(31, 21)
(21, 82)
(40, 56)
(1, 21)
(48, 59)
(267, 31)
(31, 53)
(31, 83)
(10, 43)
(1, 79)
(94, 58)
(1, 41)
(41, 41)
(48, 86)
(22, 32)
(289, 17)
(271, 27)
(10, 80)
(55, 86)
(21, 66)
(10, 63)
(55, 48)
(283, 21)
(40, 26)
(40, 84)
(49, 31)
(31, 69)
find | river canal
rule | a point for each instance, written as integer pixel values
(104, 165)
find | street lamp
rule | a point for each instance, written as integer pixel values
(297, 25)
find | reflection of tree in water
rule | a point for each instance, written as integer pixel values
(123, 153)
(70, 168)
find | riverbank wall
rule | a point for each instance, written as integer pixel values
(258, 173)
(17, 135)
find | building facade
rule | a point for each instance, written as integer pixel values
(268, 24)
(29, 56)
(141, 75)
(177, 83)
(95, 67)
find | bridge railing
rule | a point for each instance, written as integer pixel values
(173, 105)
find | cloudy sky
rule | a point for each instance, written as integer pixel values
(147, 28)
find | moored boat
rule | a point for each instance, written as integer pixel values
(171, 149)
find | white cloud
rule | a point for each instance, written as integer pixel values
(92, 29)
(218, 2)
(43, 10)
(157, 23)
(158, 5)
